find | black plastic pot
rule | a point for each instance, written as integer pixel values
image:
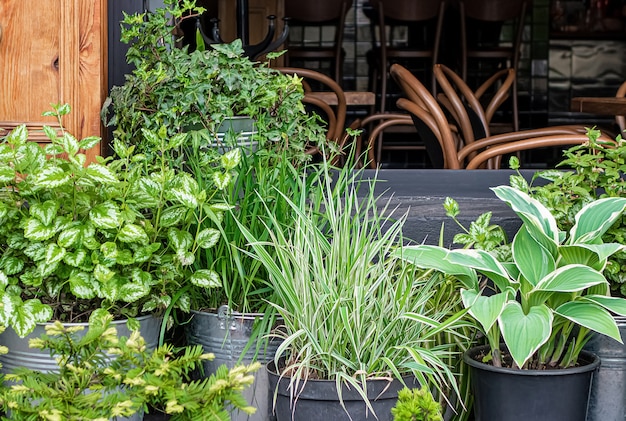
(537, 395)
(319, 400)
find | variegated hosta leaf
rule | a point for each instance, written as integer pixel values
(105, 215)
(36, 231)
(485, 309)
(525, 333)
(82, 285)
(132, 233)
(206, 278)
(179, 240)
(208, 237)
(26, 316)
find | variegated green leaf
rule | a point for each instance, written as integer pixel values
(132, 233)
(45, 212)
(26, 316)
(221, 180)
(185, 197)
(131, 292)
(17, 135)
(69, 237)
(82, 285)
(76, 258)
(231, 159)
(179, 240)
(531, 258)
(485, 309)
(12, 265)
(595, 218)
(88, 142)
(592, 316)
(101, 174)
(4, 280)
(7, 174)
(172, 215)
(109, 250)
(186, 258)
(36, 231)
(70, 144)
(105, 215)
(208, 237)
(525, 333)
(103, 274)
(54, 254)
(143, 254)
(52, 177)
(205, 278)
(570, 278)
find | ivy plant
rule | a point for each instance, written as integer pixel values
(120, 234)
(193, 92)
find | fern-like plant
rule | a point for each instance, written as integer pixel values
(416, 405)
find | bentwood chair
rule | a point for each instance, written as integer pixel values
(334, 117)
(619, 119)
(482, 49)
(442, 142)
(319, 14)
(423, 19)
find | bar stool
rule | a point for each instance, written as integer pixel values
(424, 21)
(483, 52)
(320, 14)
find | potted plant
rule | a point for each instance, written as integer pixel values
(85, 388)
(357, 324)
(119, 234)
(536, 309)
(589, 172)
(197, 92)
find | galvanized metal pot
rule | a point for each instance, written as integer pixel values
(228, 335)
(608, 391)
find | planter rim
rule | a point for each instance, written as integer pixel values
(589, 356)
(224, 312)
(114, 322)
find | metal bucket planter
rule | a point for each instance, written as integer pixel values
(537, 395)
(608, 391)
(319, 399)
(227, 335)
(21, 355)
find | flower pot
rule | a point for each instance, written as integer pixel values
(608, 390)
(227, 335)
(538, 395)
(319, 400)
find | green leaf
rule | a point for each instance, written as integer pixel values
(143, 254)
(26, 316)
(82, 285)
(88, 142)
(231, 159)
(70, 144)
(179, 240)
(69, 237)
(185, 196)
(76, 258)
(8, 306)
(485, 309)
(7, 174)
(590, 315)
(531, 258)
(484, 263)
(101, 174)
(613, 304)
(525, 333)
(4, 281)
(36, 231)
(54, 254)
(208, 237)
(102, 273)
(52, 177)
(12, 265)
(131, 292)
(221, 180)
(105, 215)
(570, 278)
(172, 216)
(595, 218)
(205, 278)
(433, 257)
(131, 233)
(45, 212)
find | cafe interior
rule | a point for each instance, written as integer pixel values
(518, 68)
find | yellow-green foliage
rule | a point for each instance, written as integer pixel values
(416, 405)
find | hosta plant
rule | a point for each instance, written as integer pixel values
(102, 376)
(119, 234)
(545, 300)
